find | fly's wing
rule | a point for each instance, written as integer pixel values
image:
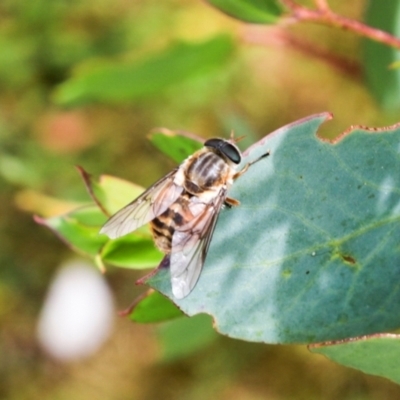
(150, 204)
(190, 243)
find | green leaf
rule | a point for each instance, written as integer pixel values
(89, 216)
(129, 81)
(383, 81)
(110, 193)
(376, 354)
(135, 250)
(312, 253)
(79, 229)
(184, 336)
(175, 144)
(254, 11)
(153, 307)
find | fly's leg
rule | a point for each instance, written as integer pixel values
(230, 202)
(247, 166)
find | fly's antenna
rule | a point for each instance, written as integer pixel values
(232, 138)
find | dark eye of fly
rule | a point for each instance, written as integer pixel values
(225, 148)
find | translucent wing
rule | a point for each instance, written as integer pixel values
(190, 244)
(153, 202)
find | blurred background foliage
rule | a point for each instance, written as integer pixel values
(66, 99)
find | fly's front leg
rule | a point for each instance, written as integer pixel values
(247, 166)
(229, 201)
(241, 172)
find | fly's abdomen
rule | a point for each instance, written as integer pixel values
(162, 233)
(163, 227)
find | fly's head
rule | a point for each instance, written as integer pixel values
(226, 149)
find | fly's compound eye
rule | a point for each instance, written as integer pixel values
(226, 148)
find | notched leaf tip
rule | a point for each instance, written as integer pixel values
(325, 116)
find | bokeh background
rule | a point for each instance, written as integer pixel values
(273, 76)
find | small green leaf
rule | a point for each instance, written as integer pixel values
(79, 229)
(135, 250)
(376, 354)
(185, 336)
(128, 81)
(175, 144)
(382, 80)
(90, 216)
(254, 11)
(110, 193)
(312, 253)
(154, 307)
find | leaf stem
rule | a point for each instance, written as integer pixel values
(276, 36)
(322, 14)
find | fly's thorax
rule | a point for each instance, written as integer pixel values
(206, 171)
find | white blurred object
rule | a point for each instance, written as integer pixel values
(78, 312)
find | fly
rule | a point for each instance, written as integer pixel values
(182, 209)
